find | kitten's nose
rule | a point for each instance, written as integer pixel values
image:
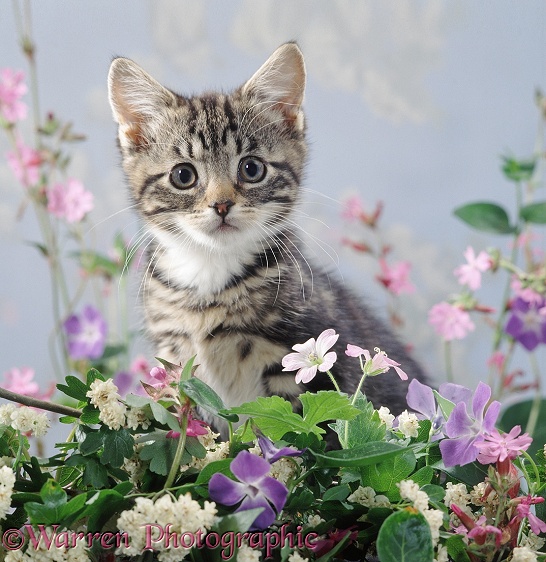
(222, 209)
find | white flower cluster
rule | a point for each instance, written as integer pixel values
(408, 424)
(297, 557)
(183, 515)
(104, 395)
(385, 416)
(532, 541)
(523, 554)
(248, 554)
(285, 468)
(366, 496)
(457, 494)
(410, 491)
(24, 419)
(215, 451)
(45, 552)
(7, 481)
(138, 417)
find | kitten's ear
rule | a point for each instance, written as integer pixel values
(136, 99)
(281, 81)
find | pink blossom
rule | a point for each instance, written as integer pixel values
(352, 208)
(25, 163)
(525, 293)
(451, 322)
(140, 365)
(377, 364)
(21, 381)
(12, 88)
(497, 360)
(396, 277)
(497, 448)
(69, 201)
(523, 510)
(471, 273)
(311, 356)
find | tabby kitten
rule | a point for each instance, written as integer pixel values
(216, 178)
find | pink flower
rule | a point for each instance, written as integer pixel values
(140, 365)
(12, 88)
(396, 277)
(497, 360)
(69, 201)
(523, 510)
(311, 356)
(25, 163)
(525, 293)
(471, 273)
(497, 448)
(352, 208)
(377, 364)
(21, 381)
(451, 322)
(194, 428)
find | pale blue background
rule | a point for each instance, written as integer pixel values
(408, 102)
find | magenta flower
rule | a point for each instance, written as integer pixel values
(470, 273)
(525, 293)
(396, 277)
(272, 453)
(85, 334)
(12, 89)
(21, 381)
(523, 510)
(312, 356)
(497, 448)
(465, 430)
(25, 163)
(194, 428)
(527, 323)
(253, 489)
(69, 201)
(451, 322)
(377, 364)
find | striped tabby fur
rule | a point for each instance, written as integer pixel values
(227, 279)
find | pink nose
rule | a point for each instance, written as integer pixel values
(222, 209)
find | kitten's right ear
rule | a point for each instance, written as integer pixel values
(135, 98)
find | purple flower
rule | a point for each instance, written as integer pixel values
(465, 430)
(272, 453)
(254, 489)
(124, 381)
(527, 324)
(85, 334)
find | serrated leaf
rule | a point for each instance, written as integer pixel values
(367, 454)
(485, 216)
(94, 473)
(94, 441)
(205, 397)
(75, 388)
(161, 455)
(405, 537)
(274, 416)
(90, 415)
(456, 548)
(118, 446)
(534, 213)
(326, 405)
(93, 375)
(384, 476)
(364, 428)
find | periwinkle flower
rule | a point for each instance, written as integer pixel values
(253, 489)
(464, 429)
(527, 323)
(85, 334)
(272, 453)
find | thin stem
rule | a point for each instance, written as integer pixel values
(36, 403)
(537, 400)
(533, 486)
(357, 391)
(179, 452)
(333, 381)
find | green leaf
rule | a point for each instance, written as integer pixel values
(488, 217)
(534, 212)
(194, 448)
(103, 504)
(326, 405)
(238, 522)
(367, 454)
(434, 492)
(274, 416)
(94, 473)
(94, 263)
(161, 455)
(221, 466)
(364, 428)
(445, 405)
(384, 476)
(163, 416)
(456, 548)
(340, 493)
(518, 170)
(469, 474)
(423, 476)
(405, 537)
(203, 395)
(118, 446)
(90, 415)
(92, 376)
(74, 388)
(93, 442)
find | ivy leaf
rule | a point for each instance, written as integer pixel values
(405, 537)
(118, 445)
(488, 217)
(534, 213)
(384, 476)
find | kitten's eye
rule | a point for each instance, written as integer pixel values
(251, 169)
(183, 176)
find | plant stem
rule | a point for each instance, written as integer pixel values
(333, 381)
(179, 452)
(537, 400)
(36, 403)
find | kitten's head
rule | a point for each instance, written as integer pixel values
(219, 169)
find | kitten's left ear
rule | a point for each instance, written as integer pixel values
(281, 81)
